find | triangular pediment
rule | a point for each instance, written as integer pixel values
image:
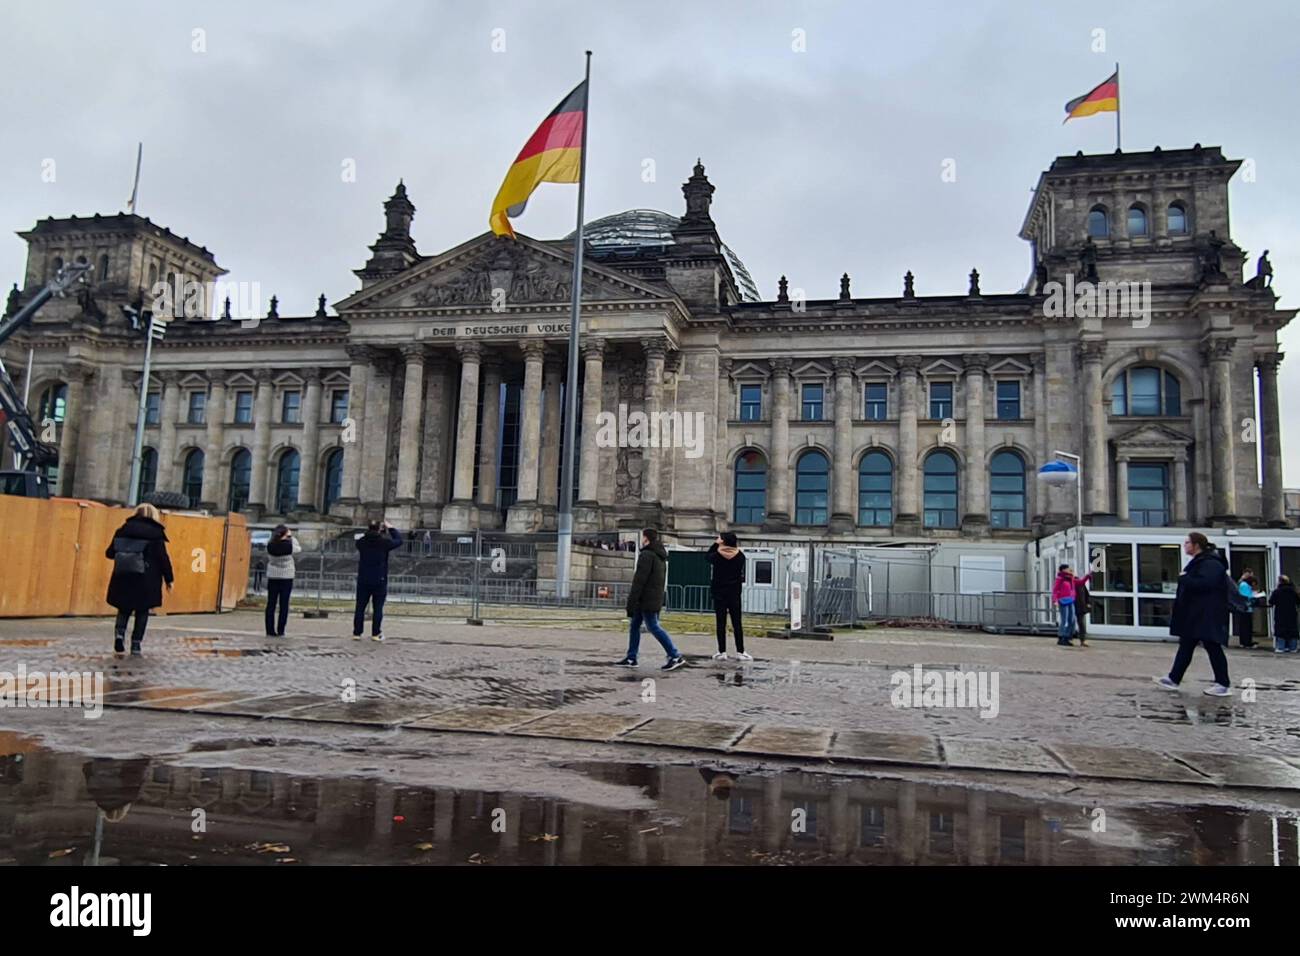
(1152, 435)
(498, 274)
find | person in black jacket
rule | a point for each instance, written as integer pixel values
(645, 599)
(140, 567)
(1200, 614)
(1286, 625)
(372, 576)
(728, 581)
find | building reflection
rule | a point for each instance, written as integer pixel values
(142, 811)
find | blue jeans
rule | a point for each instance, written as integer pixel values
(1065, 629)
(367, 592)
(651, 621)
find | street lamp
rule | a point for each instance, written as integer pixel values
(1063, 473)
(156, 331)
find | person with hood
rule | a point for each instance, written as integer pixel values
(279, 577)
(645, 599)
(372, 576)
(728, 581)
(1064, 590)
(140, 568)
(1286, 627)
(1200, 614)
(1246, 618)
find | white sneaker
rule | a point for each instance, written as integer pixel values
(378, 638)
(720, 656)
(1217, 690)
(356, 637)
(742, 656)
(1165, 683)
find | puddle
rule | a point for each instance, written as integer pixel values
(62, 809)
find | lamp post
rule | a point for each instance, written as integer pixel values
(1063, 473)
(156, 330)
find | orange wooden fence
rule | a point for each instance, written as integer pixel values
(52, 558)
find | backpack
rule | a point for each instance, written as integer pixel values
(128, 555)
(1237, 602)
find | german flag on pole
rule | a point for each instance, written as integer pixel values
(553, 154)
(1101, 99)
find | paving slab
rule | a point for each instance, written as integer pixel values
(1246, 771)
(384, 713)
(581, 726)
(698, 734)
(479, 719)
(1124, 763)
(191, 701)
(875, 747)
(134, 695)
(786, 741)
(273, 705)
(1010, 755)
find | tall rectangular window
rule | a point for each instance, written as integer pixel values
(1008, 401)
(198, 408)
(813, 399)
(877, 402)
(751, 403)
(338, 406)
(243, 408)
(940, 400)
(291, 408)
(153, 409)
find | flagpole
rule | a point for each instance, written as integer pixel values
(1117, 94)
(564, 515)
(135, 186)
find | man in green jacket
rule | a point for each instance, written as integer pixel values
(646, 599)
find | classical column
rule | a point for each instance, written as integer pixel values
(1222, 431)
(778, 485)
(376, 428)
(1273, 507)
(437, 431)
(843, 513)
(1094, 429)
(352, 432)
(593, 384)
(456, 516)
(1121, 486)
(168, 412)
(215, 411)
(258, 499)
(1041, 451)
(310, 456)
(78, 378)
(977, 494)
(908, 477)
(552, 386)
(525, 515)
(651, 460)
(408, 449)
(489, 436)
(1179, 467)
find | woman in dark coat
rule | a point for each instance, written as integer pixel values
(1286, 626)
(1200, 614)
(728, 581)
(140, 567)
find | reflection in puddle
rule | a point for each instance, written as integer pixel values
(66, 809)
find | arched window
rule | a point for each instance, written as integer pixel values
(940, 490)
(1098, 223)
(1007, 490)
(751, 488)
(1137, 221)
(153, 277)
(875, 490)
(103, 268)
(333, 479)
(148, 474)
(53, 405)
(1146, 390)
(241, 480)
(286, 485)
(1177, 219)
(192, 477)
(812, 482)
(56, 266)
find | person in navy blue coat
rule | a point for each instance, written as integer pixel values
(1200, 614)
(373, 549)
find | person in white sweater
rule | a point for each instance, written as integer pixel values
(279, 578)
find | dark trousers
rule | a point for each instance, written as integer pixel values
(277, 590)
(1245, 629)
(368, 591)
(141, 622)
(1081, 622)
(1218, 660)
(724, 603)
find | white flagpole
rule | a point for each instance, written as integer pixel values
(135, 186)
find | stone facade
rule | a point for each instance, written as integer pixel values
(433, 396)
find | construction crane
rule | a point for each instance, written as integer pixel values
(33, 454)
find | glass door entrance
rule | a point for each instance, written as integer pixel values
(1257, 560)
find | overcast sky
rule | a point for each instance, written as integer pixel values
(825, 161)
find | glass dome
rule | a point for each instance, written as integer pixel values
(650, 227)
